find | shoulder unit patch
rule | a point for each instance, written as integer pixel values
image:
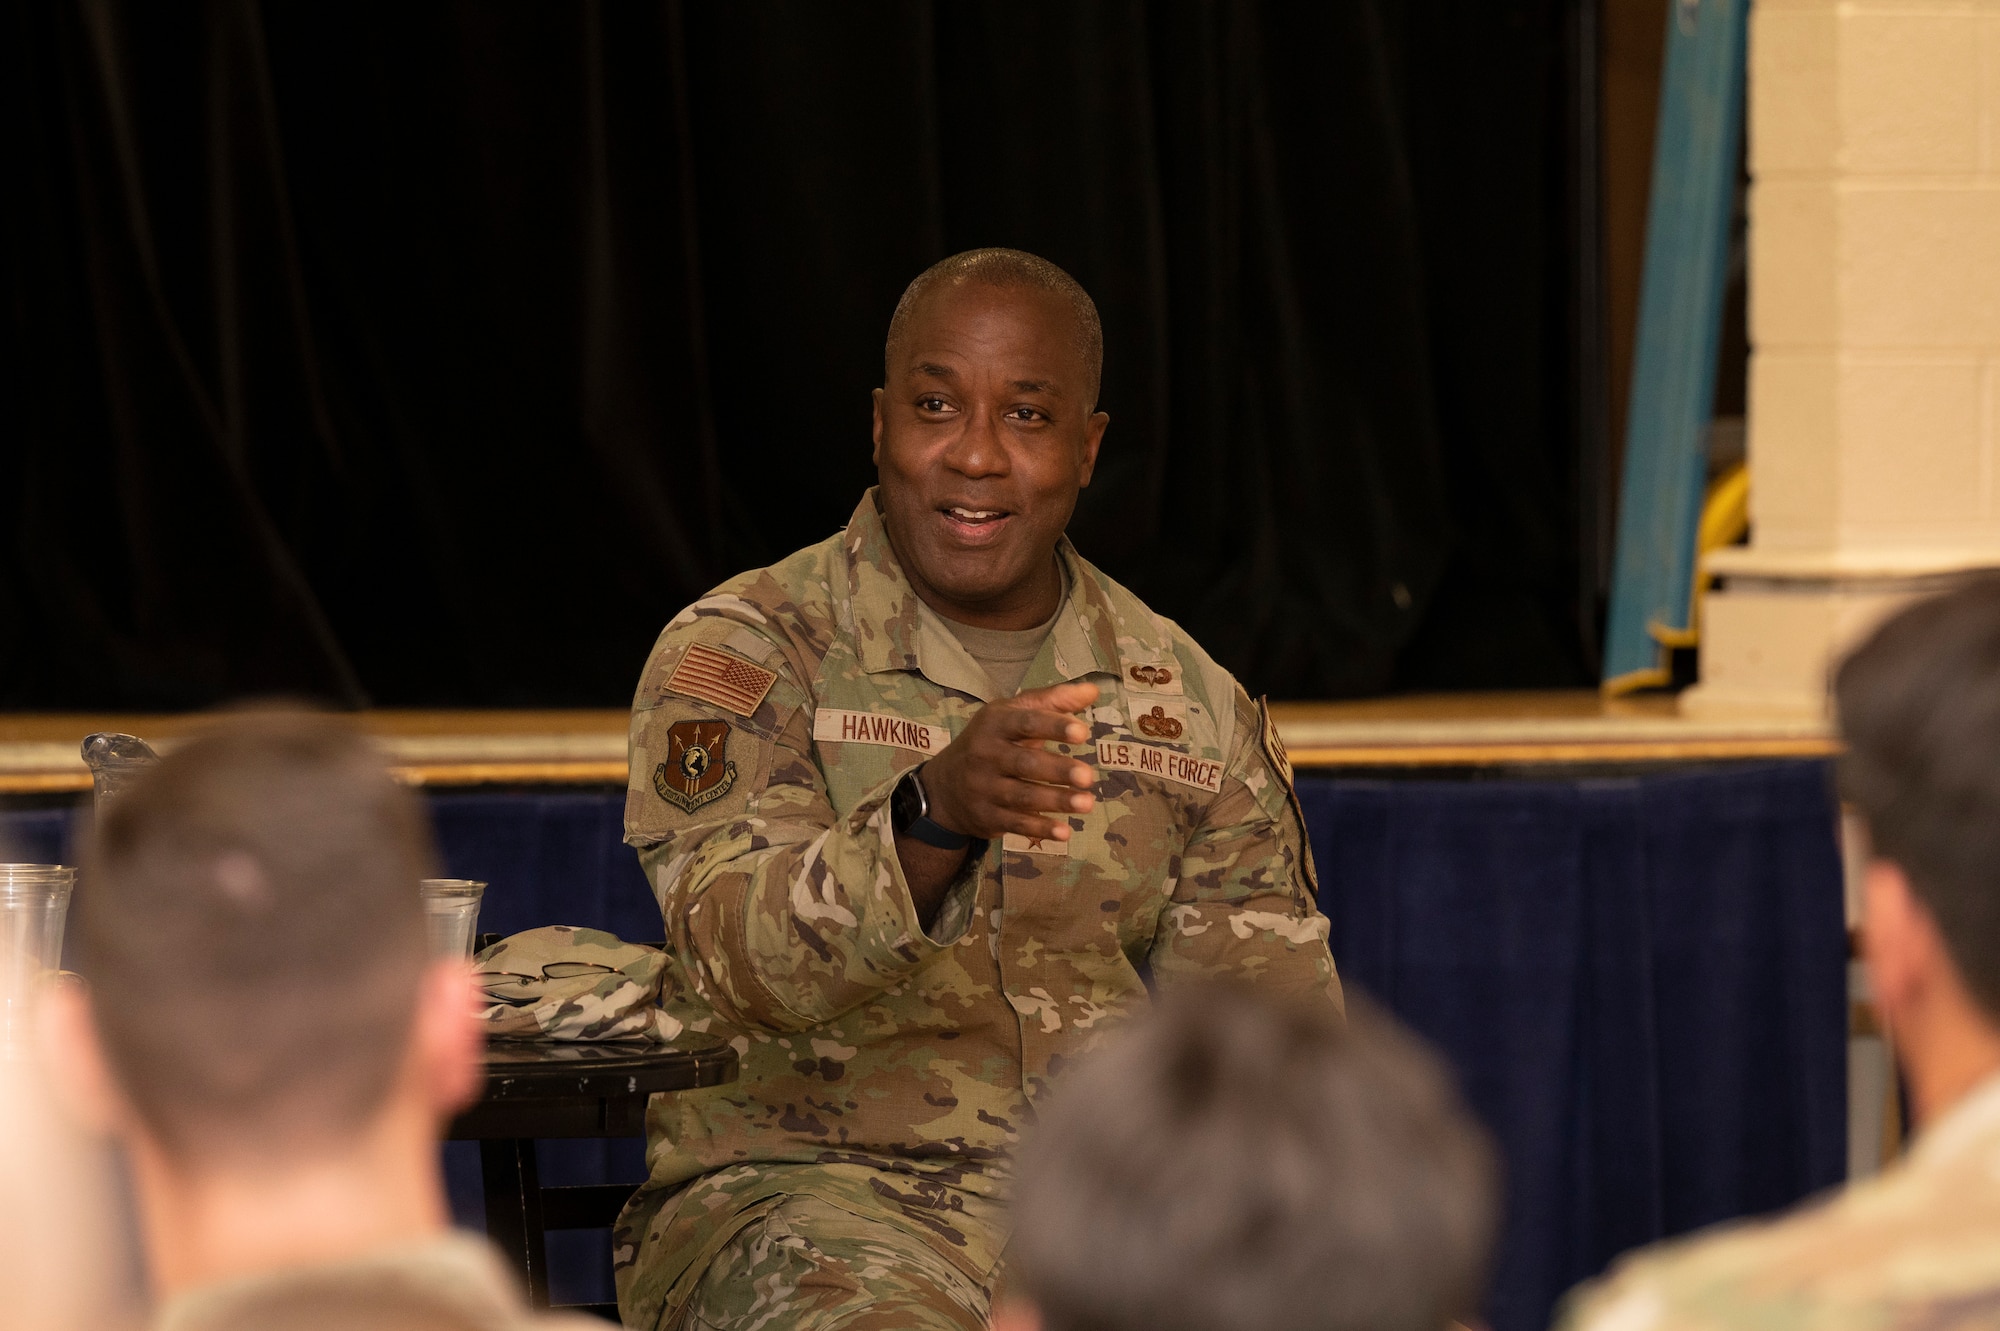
(721, 678)
(1274, 746)
(697, 770)
(1281, 763)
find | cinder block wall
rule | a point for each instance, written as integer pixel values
(1874, 131)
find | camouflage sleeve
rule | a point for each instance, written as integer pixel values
(1589, 1305)
(1722, 1277)
(1243, 906)
(782, 914)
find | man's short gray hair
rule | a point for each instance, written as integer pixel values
(1005, 268)
(1228, 1165)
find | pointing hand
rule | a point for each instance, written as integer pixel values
(999, 775)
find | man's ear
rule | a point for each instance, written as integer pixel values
(1093, 435)
(1901, 946)
(1015, 1315)
(448, 1040)
(876, 398)
(72, 1052)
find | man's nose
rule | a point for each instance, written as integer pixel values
(978, 450)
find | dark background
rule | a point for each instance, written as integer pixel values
(437, 354)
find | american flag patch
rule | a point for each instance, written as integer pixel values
(717, 677)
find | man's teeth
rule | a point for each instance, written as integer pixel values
(975, 514)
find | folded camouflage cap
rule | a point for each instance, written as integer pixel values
(564, 983)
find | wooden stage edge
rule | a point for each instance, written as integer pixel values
(38, 751)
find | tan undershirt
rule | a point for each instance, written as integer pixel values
(1004, 654)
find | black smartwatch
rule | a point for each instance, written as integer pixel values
(910, 815)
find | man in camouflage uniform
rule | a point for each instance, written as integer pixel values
(922, 804)
(1918, 1246)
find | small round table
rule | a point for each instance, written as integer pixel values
(548, 1088)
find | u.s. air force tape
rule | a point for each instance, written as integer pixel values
(898, 732)
(1121, 755)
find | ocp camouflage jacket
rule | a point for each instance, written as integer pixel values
(1913, 1248)
(886, 1067)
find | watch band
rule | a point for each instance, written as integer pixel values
(936, 834)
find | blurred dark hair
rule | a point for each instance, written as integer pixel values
(1919, 707)
(1230, 1165)
(250, 927)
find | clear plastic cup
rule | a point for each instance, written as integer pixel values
(451, 915)
(34, 904)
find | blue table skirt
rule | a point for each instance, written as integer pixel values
(1642, 983)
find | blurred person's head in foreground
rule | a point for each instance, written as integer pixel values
(262, 1025)
(1231, 1165)
(1919, 709)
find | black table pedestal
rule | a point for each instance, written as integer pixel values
(552, 1090)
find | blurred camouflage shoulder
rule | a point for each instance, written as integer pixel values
(1912, 1248)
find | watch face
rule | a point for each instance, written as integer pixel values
(906, 805)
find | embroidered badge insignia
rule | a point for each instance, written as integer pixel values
(1158, 724)
(717, 677)
(695, 772)
(1025, 845)
(1147, 677)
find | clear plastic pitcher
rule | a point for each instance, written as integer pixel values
(34, 903)
(114, 760)
(451, 914)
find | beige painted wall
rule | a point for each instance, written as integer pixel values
(1875, 332)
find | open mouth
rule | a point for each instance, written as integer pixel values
(974, 522)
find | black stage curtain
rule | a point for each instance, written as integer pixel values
(436, 354)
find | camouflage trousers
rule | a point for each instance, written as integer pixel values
(807, 1265)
